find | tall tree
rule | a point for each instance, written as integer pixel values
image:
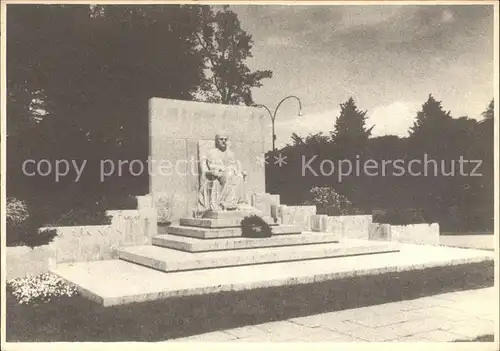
(93, 69)
(297, 139)
(79, 78)
(226, 47)
(350, 130)
(431, 119)
(489, 112)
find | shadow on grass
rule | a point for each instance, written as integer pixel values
(79, 319)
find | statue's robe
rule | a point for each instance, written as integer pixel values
(221, 182)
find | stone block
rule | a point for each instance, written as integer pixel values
(85, 243)
(380, 231)
(275, 214)
(423, 233)
(169, 206)
(264, 201)
(297, 215)
(133, 227)
(357, 226)
(317, 222)
(144, 202)
(334, 224)
(150, 218)
(327, 224)
(93, 242)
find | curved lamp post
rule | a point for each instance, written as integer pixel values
(273, 115)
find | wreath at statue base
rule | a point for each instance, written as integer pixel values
(255, 227)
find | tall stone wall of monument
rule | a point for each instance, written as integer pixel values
(176, 126)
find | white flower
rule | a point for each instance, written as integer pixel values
(40, 288)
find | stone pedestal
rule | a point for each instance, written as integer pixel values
(380, 231)
(235, 215)
(265, 202)
(297, 215)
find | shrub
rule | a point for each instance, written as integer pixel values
(329, 202)
(122, 202)
(255, 227)
(22, 228)
(17, 212)
(67, 209)
(39, 289)
(16, 218)
(24, 218)
(83, 216)
(466, 219)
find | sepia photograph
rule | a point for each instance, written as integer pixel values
(281, 172)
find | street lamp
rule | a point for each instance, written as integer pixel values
(273, 115)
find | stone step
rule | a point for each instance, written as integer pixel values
(199, 245)
(218, 223)
(169, 260)
(214, 233)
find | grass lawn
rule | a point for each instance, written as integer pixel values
(79, 319)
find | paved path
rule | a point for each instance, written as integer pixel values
(445, 317)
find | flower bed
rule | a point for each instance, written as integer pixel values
(39, 289)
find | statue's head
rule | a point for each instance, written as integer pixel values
(221, 141)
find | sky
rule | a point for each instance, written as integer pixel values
(389, 58)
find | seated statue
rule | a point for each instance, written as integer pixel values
(222, 180)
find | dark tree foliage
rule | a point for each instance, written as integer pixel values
(226, 46)
(350, 130)
(455, 199)
(79, 78)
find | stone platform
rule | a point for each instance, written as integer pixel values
(213, 243)
(226, 232)
(234, 214)
(218, 222)
(205, 255)
(185, 243)
(170, 260)
(116, 282)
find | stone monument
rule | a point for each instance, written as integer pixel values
(182, 133)
(222, 179)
